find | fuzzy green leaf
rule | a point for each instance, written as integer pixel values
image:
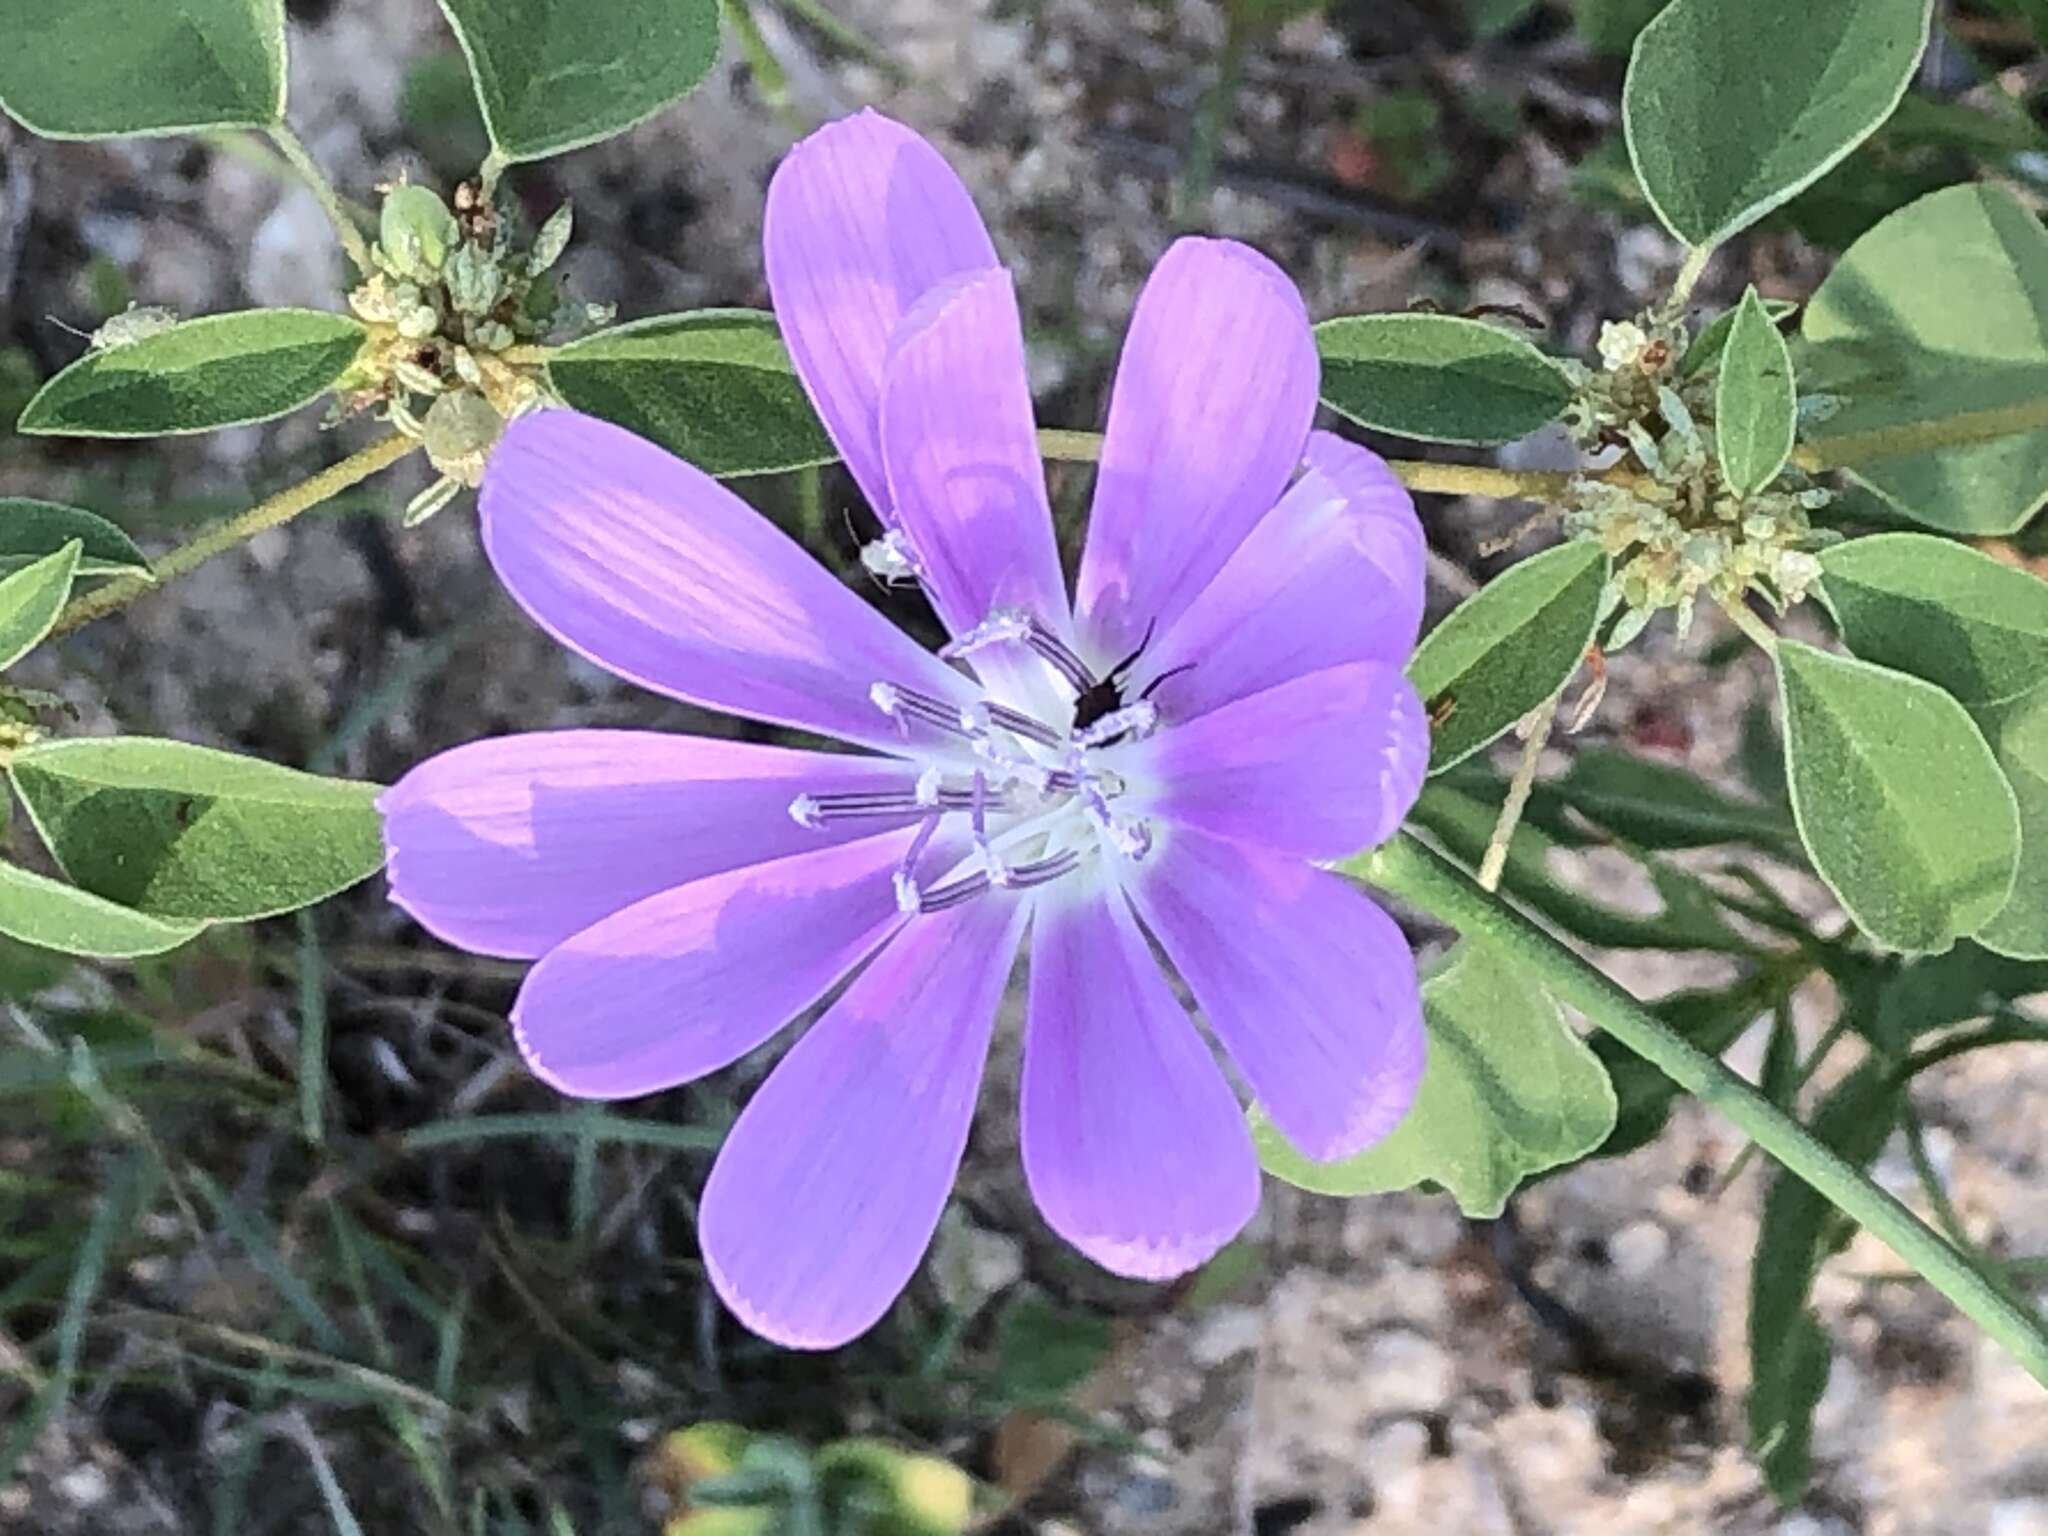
(715, 387)
(31, 599)
(95, 69)
(31, 529)
(1755, 408)
(194, 835)
(1899, 800)
(1508, 1092)
(1940, 309)
(1731, 107)
(38, 910)
(1940, 610)
(221, 371)
(1439, 378)
(1704, 351)
(1507, 648)
(553, 75)
(2018, 733)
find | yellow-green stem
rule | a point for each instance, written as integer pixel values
(273, 513)
(1848, 449)
(294, 150)
(1744, 618)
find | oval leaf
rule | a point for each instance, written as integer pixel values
(1507, 648)
(1439, 378)
(1969, 624)
(1942, 308)
(1755, 408)
(93, 69)
(30, 601)
(38, 910)
(715, 387)
(1705, 349)
(222, 371)
(552, 75)
(2018, 733)
(1899, 801)
(1508, 1091)
(195, 835)
(1733, 106)
(30, 529)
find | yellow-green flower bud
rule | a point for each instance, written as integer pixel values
(552, 240)
(416, 232)
(474, 282)
(459, 433)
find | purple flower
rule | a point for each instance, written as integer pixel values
(1157, 763)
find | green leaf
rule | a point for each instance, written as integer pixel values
(1508, 1091)
(1690, 917)
(1901, 804)
(2018, 733)
(1755, 409)
(222, 371)
(30, 601)
(1044, 1351)
(94, 69)
(1942, 308)
(1788, 1352)
(195, 835)
(38, 910)
(1705, 349)
(553, 75)
(1967, 623)
(1507, 648)
(1657, 805)
(1733, 106)
(32, 529)
(1439, 378)
(715, 387)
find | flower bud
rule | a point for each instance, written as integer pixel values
(552, 240)
(459, 432)
(416, 232)
(474, 282)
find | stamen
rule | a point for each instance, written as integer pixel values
(908, 898)
(906, 704)
(976, 719)
(1061, 656)
(1137, 719)
(1002, 626)
(816, 811)
(949, 895)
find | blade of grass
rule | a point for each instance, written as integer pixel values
(599, 1125)
(248, 1231)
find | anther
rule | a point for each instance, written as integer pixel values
(888, 559)
(1003, 625)
(1137, 719)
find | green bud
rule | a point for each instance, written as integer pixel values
(552, 240)
(417, 232)
(372, 301)
(474, 282)
(421, 381)
(459, 432)
(419, 323)
(492, 336)
(466, 368)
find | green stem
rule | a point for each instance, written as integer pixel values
(1689, 275)
(1744, 618)
(1411, 871)
(277, 511)
(294, 150)
(1198, 179)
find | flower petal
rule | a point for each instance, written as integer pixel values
(509, 846)
(1332, 574)
(827, 1192)
(687, 981)
(1307, 983)
(1134, 1146)
(863, 219)
(658, 573)
(1211, 409)
(1319, 766)
(966, 484)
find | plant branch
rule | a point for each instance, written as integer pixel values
(1496, 861)
(275, 512)
(1413, 872)
(294, 150)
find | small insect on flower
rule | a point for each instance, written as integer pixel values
(1160, 759)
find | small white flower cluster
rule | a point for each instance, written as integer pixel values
(452, 295)
(1675, 529)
